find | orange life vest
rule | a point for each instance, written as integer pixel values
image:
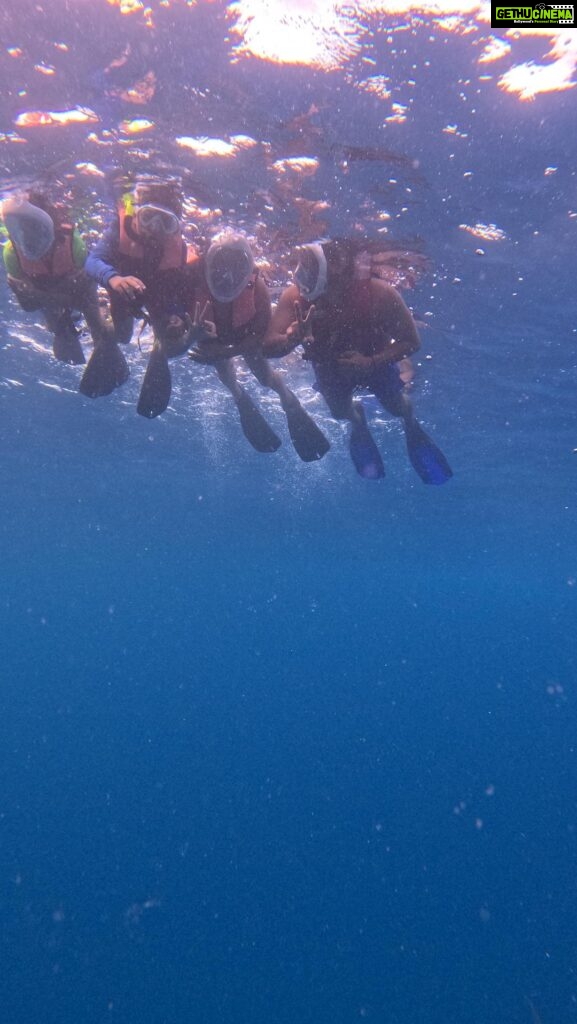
(58, 262)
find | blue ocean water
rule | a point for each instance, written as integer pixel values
(278, 744)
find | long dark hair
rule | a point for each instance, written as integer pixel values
(399, 262)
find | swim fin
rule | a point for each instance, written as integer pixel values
(364, 452)
(67, 348)
(308, 440)
(156, 386)
(106, 370)
(254, 426)
(427, 460)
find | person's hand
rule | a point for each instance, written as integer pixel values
(130, 288)
(200, 330)
(300, 332)
(356, 360)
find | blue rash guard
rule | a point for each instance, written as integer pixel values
(104, 259)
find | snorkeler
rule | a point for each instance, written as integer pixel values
(357, 332)
(232, 315)
(44, 260)
(141, 261)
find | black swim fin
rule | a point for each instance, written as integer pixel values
(106, 370)
(254, 426)
(427, 460)
(67, 348)
(308, 440)
(364, 452)
(156, 386)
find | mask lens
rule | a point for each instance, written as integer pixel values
(307, 272)
(30, 228)
(35, 239)
(156, 221)
(228, 273)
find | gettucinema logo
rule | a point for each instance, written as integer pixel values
(541, 15)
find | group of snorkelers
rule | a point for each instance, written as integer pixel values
(354, 328)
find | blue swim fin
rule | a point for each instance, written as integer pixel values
(364, 452)
(427, 460)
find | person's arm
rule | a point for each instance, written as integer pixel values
(285, 329)
(401, 326)
(103, 257)
(101, 265)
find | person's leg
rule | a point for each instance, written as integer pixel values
(308, 440)
(65, 335)
(395, 402)
(122, 319)
(426, 458)
(227, 375)
(100, 329)
(107, 368)
(337, 392)
(170, 331)
(254, 426)
(269, 378)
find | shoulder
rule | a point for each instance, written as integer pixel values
(382, 292)
(192, 258)
(385, 298)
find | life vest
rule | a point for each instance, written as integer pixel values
(58, 262)
(243, 308)
(173, 256)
